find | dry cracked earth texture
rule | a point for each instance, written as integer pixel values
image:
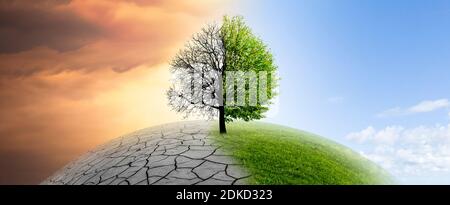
(178, 153)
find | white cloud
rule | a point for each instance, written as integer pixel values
(428, 106)
(388, 135)
(362, 136)
(422, 107)
(391, 112)
(405, 152)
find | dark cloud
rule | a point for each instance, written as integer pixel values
(50, 37)
(27, 25)
(74, 74)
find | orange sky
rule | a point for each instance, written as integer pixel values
(74, 74)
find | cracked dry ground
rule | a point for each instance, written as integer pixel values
(179, 153)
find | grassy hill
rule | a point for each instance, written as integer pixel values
(275, 154)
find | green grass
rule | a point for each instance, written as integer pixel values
(275, 154)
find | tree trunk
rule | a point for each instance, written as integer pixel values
(222, 125)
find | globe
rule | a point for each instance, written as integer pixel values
(181, 153)
(196, 153)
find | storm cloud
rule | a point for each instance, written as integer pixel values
(55, 36)
(74, 74)
(27, 25)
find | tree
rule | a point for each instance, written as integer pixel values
(223, 62)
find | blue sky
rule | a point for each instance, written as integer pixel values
(349, 66)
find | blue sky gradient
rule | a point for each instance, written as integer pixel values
(342, 63)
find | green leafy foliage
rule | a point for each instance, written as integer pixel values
(246, 52)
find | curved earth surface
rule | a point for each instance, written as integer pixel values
(178, 153)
